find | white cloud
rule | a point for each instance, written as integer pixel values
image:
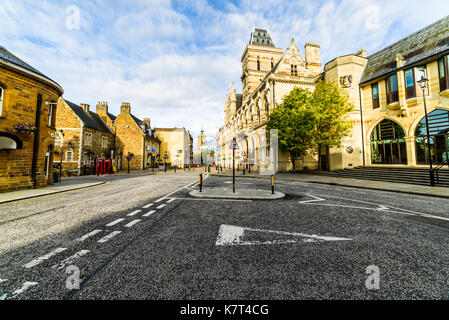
(174, 60)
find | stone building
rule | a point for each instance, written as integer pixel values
(176, 144)
(388, 120)
(136, 137)
(268, 74)
(26, 151)
(82, 137)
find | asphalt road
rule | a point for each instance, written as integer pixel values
(316, 243)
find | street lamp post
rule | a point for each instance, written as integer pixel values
(129, 157)
(423, 84)
(62, 154)
(165, 157)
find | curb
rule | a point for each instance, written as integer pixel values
(345, 185)
(196, 194)
(52, 192)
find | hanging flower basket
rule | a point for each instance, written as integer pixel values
(26, 128)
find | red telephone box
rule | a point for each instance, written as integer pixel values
(107, 166)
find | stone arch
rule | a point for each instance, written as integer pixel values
(371, 128)
(420, 116)
(9, 141)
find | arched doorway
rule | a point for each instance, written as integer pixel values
(439, 138)
(388, 143)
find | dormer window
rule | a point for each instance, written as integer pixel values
(2, 93)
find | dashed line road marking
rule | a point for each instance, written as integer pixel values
(171, 200)
(24, 288)
(147, 206)
(129, 225)
(109, 236)
(113, 223)
(133, 213)
(149, 213)
(88, 235)
(70, 259)
(161, 206)
(3, 280)
(39, 260)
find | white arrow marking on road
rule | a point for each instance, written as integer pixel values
(232, 236)
(109, 236)
(147, 206)
(39, 260)
(113, 223)
(129, 225)
(133, 213)
(149, 213)
(70, 259)
(88, 235)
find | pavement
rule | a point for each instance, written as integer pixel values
(146, 238)
(348, 182)
(244, 194)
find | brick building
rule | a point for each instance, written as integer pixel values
(134, 136)
(26, 96)
(83, 137)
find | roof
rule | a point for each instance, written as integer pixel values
(110, 115)
(419, 46)
(90, 119)
(261, 37)
(12, 59)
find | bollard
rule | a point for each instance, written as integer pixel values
(201, 183)
(272, 184)
(243, 171)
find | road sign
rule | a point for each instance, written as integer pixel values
(234, 145)
(153, 150)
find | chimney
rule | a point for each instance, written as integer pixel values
(312, 54)
(102, 108)
(85, 107)
(147, 122)
(125, 108)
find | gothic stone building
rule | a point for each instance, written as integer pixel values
(26, 96)
(388, 121)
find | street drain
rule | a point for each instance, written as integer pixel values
(429, 220)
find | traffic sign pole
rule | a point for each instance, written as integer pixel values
(233, 170)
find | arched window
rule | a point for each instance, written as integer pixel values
(439, 138)
(48, 161)
(388, 144)
(2, 94)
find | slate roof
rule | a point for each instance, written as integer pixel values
(90, 119)
(9, 57)
(261, 37)
(430, 41)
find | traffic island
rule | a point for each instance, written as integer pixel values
(240, 194)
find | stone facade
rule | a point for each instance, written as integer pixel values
(27, 96)
(83, 137)
(136, 137)
(177, 144)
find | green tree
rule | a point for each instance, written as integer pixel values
(295, 121)
(330, 106)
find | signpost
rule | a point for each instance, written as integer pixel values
(233, 146)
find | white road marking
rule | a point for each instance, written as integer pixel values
(113, 223)
(316, 199)
(24, 288)
(186, 186)
(88, 235)
(149, 213)
(171, 200)
(147, 206)
(70, 259)
(39, 260)
(232, 235)
(3, 297)
(3, 280)
(133, 213)
(109, 236)
(129, 225)
(161, 206)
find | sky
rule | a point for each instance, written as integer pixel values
(174, 60)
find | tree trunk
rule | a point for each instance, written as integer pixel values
(293, 159)
(319, 157)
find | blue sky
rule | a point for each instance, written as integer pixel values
(174, 60)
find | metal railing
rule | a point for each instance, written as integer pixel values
(437, 169)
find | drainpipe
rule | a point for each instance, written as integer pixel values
(361, 125)
(36, 140)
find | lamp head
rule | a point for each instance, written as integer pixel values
(423, 82)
